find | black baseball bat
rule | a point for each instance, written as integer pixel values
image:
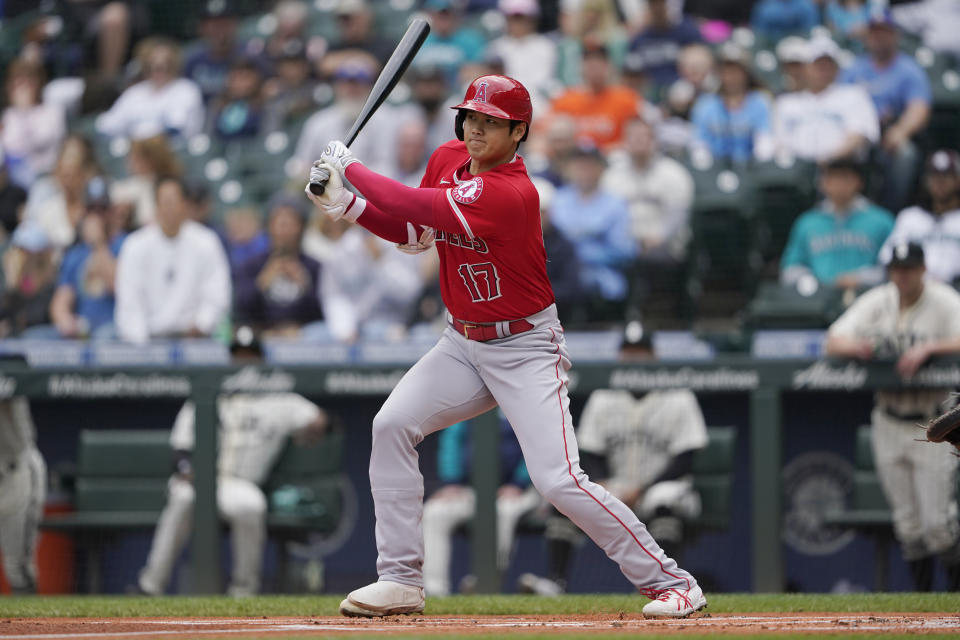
(392, 72)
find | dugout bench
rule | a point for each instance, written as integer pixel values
(869, 511)
(121, 486)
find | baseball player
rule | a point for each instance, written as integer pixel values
(640, 446)
(253, 432)
(936, 226)
(23, 490)
(503, 346)
(910, 319)
(455, 503)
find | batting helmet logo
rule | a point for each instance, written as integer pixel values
(468, 192)
(481, 95)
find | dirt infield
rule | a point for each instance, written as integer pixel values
(147, 628)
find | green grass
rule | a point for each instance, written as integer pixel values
(186, 606)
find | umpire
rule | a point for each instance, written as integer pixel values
(910, 319)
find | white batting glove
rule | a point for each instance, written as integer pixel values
(336, 202)
(338, 155)
(413, 246)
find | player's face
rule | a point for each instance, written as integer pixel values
(489, 140)
(942, 186)
(908, 281)
(171, 208)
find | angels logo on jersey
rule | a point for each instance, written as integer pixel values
(468, 192)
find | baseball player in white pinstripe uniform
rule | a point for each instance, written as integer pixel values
(911, 319)
(253, 431)
(23, 490)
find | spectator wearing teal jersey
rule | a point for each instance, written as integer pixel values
(450, 45)
(838, 241)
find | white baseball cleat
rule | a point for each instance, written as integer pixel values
(383, 599)
(676, 603)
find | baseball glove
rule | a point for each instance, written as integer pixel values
(945, 428)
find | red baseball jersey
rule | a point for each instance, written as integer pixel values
(492, 260)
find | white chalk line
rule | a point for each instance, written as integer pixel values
(847, 623)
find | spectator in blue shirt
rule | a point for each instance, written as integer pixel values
(657, 48)
(847, 18)
(598, 224)
(901, 92)
(83, 302)
(773, 20)
(734, 123)
(837, 242)
(208, 62)
(449, 46)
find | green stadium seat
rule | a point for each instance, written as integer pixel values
(713, 468)
(782, 307)
(782, 191)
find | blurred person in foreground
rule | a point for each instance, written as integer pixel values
(276, 292)
(907, 321)
(640, 446)
(83, 303)
(934, 223)
(253, 430)
(23, 490)
(902, 95)
(173, 278)
(837, 242)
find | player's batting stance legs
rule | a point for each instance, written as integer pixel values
(504, 345)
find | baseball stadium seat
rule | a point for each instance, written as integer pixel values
(868, 510)
(783, 307)
(121, 482)
(713, 478)
(782, 191)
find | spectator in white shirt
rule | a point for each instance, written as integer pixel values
(56, 201)
(528, 56)
(658, 189)
(827, 120)
(32, 130)
(173, 279)
(162, 102)
(937, 22)
(368, 288)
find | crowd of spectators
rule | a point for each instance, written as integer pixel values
(631, 98)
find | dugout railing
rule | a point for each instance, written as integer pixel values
(764, 381)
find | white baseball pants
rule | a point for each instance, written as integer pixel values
(442, 516)
(920, 482)
(23, 490)
(241, 503)
(526, 375)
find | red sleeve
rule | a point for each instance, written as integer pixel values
(381, 224)
(424, 207)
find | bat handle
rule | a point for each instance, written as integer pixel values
(317, 188)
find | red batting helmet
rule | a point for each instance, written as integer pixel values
(497, 96)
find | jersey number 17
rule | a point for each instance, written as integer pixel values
(482, 281)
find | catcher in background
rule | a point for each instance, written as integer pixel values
(911, 319)
(253, 432)
(23, 489)
(641, 447)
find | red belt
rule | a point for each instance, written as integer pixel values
(489, 331)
